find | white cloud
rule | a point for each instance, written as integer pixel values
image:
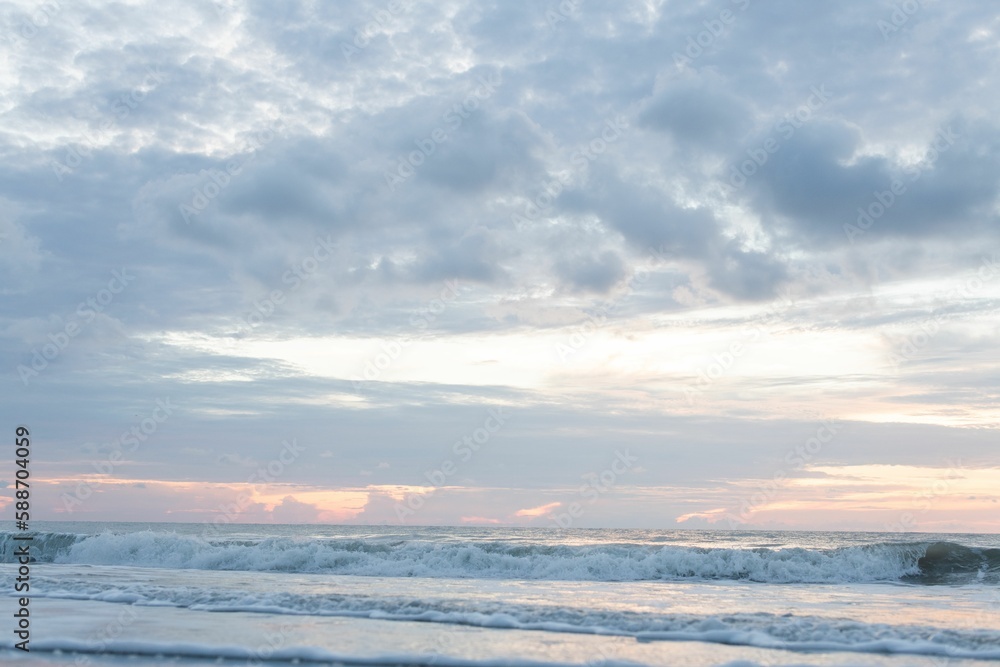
(278, 125)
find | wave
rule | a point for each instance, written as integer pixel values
(314, 655)
(761, 630)
(292, 655)
(915, 562)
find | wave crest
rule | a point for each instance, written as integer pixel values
(917, 562)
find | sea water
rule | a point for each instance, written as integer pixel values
(280, 594)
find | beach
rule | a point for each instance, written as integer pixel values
(166, 594)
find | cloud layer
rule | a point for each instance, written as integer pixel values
(694, 230)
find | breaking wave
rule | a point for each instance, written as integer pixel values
(914, 562)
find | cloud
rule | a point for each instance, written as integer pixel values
(307, 192)
(596, 274)
(698, 113)
(541, 510)
(817, 184)
(291, 510)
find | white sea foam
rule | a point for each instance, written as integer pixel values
(312, 655)
(716, 589)
(802, 633)
(496, 560)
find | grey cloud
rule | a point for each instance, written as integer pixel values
(595, 273)
(228, 72)
(697, 115)
(814, 185)
(472, 257)
(747, 274)
(647, 217)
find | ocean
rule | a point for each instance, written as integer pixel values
(180, 594)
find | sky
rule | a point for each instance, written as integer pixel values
(657, 264)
